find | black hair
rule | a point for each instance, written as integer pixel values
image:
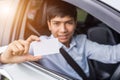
(61, 9)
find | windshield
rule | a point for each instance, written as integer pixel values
(112, 3)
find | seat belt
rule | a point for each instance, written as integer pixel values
(73, 64)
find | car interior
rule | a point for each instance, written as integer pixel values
(99, 32)
(87, 24)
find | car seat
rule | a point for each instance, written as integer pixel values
(103, 35)
(116, 74)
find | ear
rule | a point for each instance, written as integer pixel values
(49, 25)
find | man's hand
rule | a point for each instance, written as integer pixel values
(17, 51)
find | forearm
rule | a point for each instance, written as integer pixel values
(103, 53)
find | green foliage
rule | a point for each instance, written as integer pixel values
(81, 15)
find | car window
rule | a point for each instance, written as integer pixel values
(81, 15)
(35, 18)
(87, 21)
(35, 24)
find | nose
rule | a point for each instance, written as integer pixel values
(63, 28)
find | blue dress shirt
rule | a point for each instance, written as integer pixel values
(80, 49)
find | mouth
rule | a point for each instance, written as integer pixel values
(62, 37)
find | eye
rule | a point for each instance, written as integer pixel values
(56, 23)
(70, 22)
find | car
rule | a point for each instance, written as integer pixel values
(98, 19)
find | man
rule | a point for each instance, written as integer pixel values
(61, 19)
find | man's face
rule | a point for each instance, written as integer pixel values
(62, 28)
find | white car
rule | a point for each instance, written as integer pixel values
(99, 19)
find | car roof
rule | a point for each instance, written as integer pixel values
(96, 8)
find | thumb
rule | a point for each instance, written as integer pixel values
(33, 38)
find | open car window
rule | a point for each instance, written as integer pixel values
(87, 21)
(35, 23)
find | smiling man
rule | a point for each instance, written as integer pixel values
(61, 19)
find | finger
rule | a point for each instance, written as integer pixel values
(29, 40)
(33, 38)
(25, 46)
(19, 47)
(32, 58)
(14, 49)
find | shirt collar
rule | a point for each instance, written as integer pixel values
(72, 44)
(51, 36)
